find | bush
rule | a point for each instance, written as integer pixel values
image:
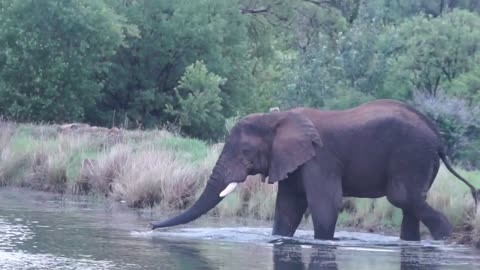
(457, 122)
(199, 102)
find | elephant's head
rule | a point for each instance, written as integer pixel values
(272, 144)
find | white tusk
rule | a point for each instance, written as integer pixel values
(228, 189)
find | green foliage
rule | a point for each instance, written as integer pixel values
(347, 99)
(363, 64)
(54, 56)
(432, 52)
(199, 100)
(467, 85)
(173, 35)
(319, 65)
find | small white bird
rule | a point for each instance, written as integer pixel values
(274, 109)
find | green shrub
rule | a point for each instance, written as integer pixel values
(200, 106)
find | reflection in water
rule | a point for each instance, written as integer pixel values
(184, 255)
(286, 256)
(323, 257)
(295, 257)
(411, 258)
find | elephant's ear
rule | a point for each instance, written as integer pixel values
(293, 144)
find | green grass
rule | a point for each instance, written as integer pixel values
(21, 143)
(188, 149)
(168, 172)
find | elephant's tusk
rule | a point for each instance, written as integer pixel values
(228, 189)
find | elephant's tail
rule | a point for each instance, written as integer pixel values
(475, 192)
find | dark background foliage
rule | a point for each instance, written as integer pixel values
(197, 64)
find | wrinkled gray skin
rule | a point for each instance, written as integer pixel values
(381, 148)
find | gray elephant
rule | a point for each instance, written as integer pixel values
(381, 148)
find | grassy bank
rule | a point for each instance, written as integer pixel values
(159, 169)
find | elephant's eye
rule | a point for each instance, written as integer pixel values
(247, 152)
(247, 157)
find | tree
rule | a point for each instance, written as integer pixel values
(363, 63)
(54, 57)
(200, 105)
(429, 53)
(318, 65)
(467, 85)
(174, 34)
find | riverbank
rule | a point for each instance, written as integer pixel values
(164, 171)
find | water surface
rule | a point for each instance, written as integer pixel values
(45, 231)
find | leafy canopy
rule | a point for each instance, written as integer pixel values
(200, 104)
(54, 57)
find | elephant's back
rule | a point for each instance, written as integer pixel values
(396, 110)
(377, 118)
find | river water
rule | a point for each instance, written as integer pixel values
(44, 231)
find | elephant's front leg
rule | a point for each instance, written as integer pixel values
(290, 206)
(323, 187)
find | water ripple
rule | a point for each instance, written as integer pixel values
(11, 235)
(21, 260)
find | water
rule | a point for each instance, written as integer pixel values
(45, 231)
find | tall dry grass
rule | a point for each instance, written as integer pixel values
(152, 177)
(141, 168)
(98, 174)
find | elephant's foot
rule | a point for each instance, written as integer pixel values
(410, 230)
(409, 237)
(324, 236)
(324, 224)
(436, 222)
(442, 231)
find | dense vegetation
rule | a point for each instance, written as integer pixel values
(193, 65)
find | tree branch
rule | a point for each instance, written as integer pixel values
(255, 10)
(318, 2)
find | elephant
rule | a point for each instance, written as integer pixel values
(380, 148)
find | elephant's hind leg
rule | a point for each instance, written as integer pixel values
(412, 201)
(410, 230)
(436, 222)
(290, 206)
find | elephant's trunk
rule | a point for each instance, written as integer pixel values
(207, 200)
